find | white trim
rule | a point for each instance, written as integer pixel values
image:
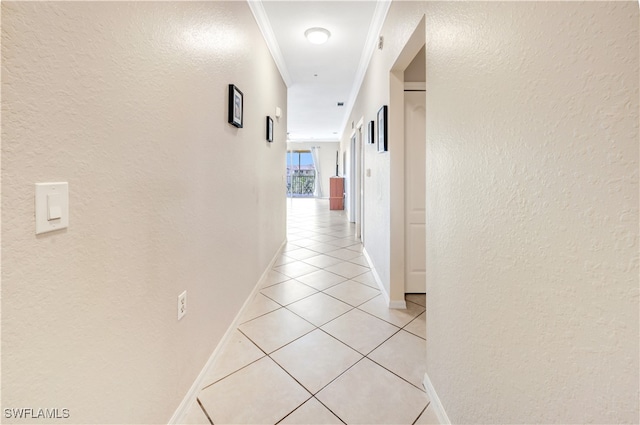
(188, 400)
(375, 275)
(270, 38)
(415, 86)
(435, 401)
(370, 45)
(351, 179)
(399, 305)
(361, 180)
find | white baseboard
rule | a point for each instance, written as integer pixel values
(192, 394)
(399, 305)
(376, 276)
(435, 401)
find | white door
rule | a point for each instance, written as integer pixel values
(415, 191)
(351, 193)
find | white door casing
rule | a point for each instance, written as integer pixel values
(351, 184)
(358, 179)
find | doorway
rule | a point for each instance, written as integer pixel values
(361, 167)
(415, 188)
(352, 179)
(355, 180)
(407, 249)
(357, 162)
(301, 174)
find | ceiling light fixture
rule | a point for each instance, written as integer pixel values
(317, 35)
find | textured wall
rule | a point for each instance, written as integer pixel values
(127, 102)
(532, 214)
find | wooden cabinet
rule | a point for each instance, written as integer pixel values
(336, 193)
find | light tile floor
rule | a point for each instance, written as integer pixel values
(317, 344)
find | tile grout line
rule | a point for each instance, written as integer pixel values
(243, 367)
(373, 315)
(421, 413)
(390, 371)
(204, 410)
(290, 413)
(354, 306)
(292, 302)
(327, 407)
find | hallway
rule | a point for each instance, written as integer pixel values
(317, 344)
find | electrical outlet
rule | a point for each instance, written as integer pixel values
(182, 305)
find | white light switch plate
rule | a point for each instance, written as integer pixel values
(52, 200)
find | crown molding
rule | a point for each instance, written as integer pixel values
(379, 15)
(262, 20)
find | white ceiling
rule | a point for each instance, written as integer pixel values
(320, 76)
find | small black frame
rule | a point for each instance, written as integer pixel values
(236, 106)
(382, 129)
(371, 139)
(269, 129)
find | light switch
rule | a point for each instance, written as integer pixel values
(54, 212)
(52, 206)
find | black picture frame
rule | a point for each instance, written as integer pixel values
(269, 134)
(382, 129)
(236, 106)
(371, 139)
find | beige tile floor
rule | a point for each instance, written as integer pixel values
(317, 344)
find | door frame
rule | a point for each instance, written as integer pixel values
(409, 89)
(396, 163)
(352, 178)
(361, 177)
(355, 178)
(358, 161)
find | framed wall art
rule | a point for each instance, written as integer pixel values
(269, 129)
(371, 139)
(382, 129)
(236, 106)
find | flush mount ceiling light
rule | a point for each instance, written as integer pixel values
(317, 35)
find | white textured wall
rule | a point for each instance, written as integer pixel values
(532, 206)
(128, 103)
(327, 159)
